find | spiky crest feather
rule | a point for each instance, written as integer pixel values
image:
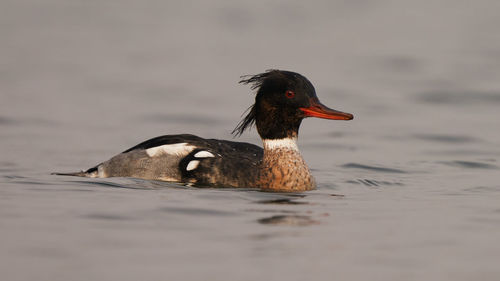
(256, 82)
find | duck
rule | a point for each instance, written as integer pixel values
(283, 99)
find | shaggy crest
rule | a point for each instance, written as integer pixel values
(256, 82)
(246, 123)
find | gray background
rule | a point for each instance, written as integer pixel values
(418, 166)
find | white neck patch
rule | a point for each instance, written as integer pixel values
(286, 143)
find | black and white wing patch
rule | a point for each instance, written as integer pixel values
(198, 161)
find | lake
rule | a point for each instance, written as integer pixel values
(408, 190)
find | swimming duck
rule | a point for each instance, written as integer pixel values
(283, 99)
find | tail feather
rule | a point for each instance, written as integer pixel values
(92, 172)
(76, 174)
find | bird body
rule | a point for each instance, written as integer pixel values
(283, 100)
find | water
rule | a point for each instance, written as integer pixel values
(408, 190)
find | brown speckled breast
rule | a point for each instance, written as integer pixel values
(284, 169)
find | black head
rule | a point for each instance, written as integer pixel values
(283, 99)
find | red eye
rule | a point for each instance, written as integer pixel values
(289, 94)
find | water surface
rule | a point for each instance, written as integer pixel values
(408, 190)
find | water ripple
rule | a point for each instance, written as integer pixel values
(372, 168)
(7, 121)
(446, 138)
(483, 189)
(195, 211)
(289, 220)
(373, 183)
(282, 201)
(469, 164)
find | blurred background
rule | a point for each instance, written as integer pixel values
(131, 67)
(81, 81)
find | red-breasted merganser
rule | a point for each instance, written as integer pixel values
(283, 99)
